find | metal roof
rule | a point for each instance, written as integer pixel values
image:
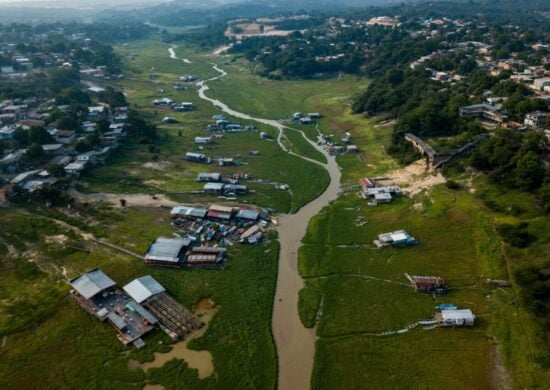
(143, 288)
(213, 186)
(189, 211)
(462, 314)
(92, 283)
(248, 214)
(167, 249)
(399, 236)
(116, 320)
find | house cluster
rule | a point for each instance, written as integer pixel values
(222, 124)
(26, 174)
(305, 119)
(139, 307)
(335, 148)
(446, 315)
(49, 51)
(204, 159)
(375, 194)
(203, 235)
(216, 184)
(174, 106)
(218, 224)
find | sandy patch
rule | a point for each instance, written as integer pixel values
(157, 165)
(138, 200)
(60, 239)
(154, 183)
(415, 178)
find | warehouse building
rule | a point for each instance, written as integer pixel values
(188, 212)
(168, 252)
(98, 294)
(174, 319)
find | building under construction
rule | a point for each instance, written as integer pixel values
(174, 319)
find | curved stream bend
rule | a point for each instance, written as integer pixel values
(295, 344)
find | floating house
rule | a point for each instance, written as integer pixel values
(395, 239)
(209, 177)
(197, 157)
(205, 256)
(203, 140)
(168, 252)
(174, 319)
(213, 188)
(427, 284)
(98, 294)
(462, 317)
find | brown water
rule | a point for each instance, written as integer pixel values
(199, 360)
(295, 344)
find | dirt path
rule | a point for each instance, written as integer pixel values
(222, 49)
(295, 344)
(141, 200)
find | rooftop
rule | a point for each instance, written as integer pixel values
(167, 249)
(92, 283)
(143, 288)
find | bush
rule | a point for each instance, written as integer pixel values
(453, 185)
(516, 235)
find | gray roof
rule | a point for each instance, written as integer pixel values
(167, 249)
(143, 288)
(116, 320)
(248, 214)
(92, 283)
(145, 313)
(213, 186)
(189, 211)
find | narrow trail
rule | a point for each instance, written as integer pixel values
(295, 344)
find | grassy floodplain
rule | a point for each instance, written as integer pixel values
(50, 341)
(46, 339)
(162, 169)
(353, 290)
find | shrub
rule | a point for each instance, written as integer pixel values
(453, 185)
(516, 235)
